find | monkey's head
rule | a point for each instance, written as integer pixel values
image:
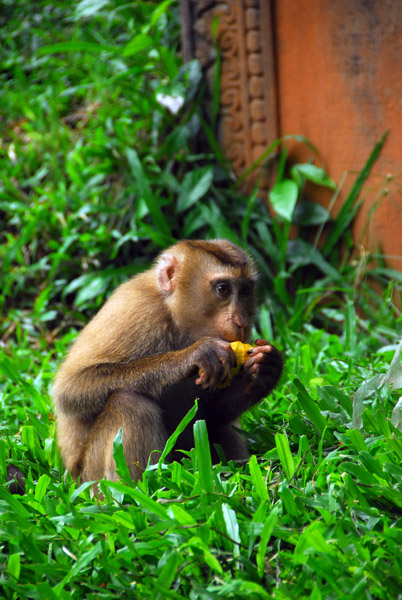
(209, 288)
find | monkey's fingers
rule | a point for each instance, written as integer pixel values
(227, 367)
(261, 342)
(218, 375)
(263, 359)
(201, 377)
(216, 365)
(258, 353)
(229, 350)
(223, 359)
(264, 368)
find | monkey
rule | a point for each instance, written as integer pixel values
(161, 340)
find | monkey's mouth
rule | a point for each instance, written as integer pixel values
(236, 337)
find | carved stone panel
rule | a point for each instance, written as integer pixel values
(247, 121)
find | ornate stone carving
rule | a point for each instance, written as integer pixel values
(248, 117)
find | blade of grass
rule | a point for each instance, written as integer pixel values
(145, 191)
(179, 429)
(14, 566)
(313, 537)
(312, 410)
(265, 537)
(167, 575)
(232, 527)
(270, 150)
(257, 478)
(77, 47)
(203, 453)
(285, 455)
(118, 455)
(346, 212)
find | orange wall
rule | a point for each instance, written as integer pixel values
(340, 84)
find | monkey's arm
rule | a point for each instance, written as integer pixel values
(84, 391)
(257, 379)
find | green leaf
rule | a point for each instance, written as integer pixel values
(3, 465)
(350, 328)
(257, 478)
(310, 213)
(312, 411)
(288, 499)
(139, 43)
(118, 454)
(299, 253)
(15, 504)
(195, 185)
(359, 473)
(28, 437)
(283, 197)
(38, 399)
(146, 193)
(167, 574)
(159, 11)
(14, 566)
(91, 47)
(97, 285)
(232, 526)
(41, 487)
(123, 518)
(76, 493)
(145, 502)
(90, 286)
(313, 538)
(179, 429)
(269, 152)
(182, 516)
(265, 537)
(212, 561)
(354, 437)
(203, 453)
(9, 368)
(86, 558)
(313, 174)
(285, 455)
(87, 8)
(239, 588)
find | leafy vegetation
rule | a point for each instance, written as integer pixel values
(99, 170)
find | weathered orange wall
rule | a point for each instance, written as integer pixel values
(339, 69)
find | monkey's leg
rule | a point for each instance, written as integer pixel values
(143, 431)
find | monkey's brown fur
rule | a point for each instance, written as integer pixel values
(135, 364)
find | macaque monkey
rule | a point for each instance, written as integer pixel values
(160, 341)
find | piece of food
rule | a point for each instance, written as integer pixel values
(241, 351)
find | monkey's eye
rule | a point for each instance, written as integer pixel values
(223, 290)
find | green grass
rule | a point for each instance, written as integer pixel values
(96, 177)
(315, 513)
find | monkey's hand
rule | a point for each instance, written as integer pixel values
(213, 359)
(262, 369)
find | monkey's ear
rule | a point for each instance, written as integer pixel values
(167, 272)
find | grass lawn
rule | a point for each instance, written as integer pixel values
(96, 176)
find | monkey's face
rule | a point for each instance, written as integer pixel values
(231, 307)
(219, 305)
(209, 288)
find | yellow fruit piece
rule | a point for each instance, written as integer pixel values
(241, 351)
